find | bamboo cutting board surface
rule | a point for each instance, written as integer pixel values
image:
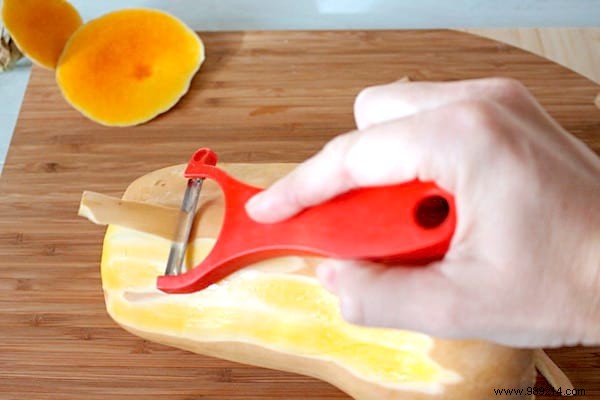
(260, 97)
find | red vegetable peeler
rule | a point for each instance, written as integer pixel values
(410, 223)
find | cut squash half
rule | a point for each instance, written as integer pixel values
(41, 28)
(274, 314)
(129, 66)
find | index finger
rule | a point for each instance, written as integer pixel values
(384, 103)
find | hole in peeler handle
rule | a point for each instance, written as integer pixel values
(432, 211)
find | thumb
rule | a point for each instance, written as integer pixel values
(420, 299)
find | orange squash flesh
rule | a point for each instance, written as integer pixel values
(128, 66)
(40, 28)
(275, 314)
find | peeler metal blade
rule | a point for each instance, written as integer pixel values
(186, 220)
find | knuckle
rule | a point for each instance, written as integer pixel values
(482, 123)
(339, 151)
(364, 103)
(339, 145)
(509, 88)
(369, 101)
(298, 199)
(475, 114)
(365, 97)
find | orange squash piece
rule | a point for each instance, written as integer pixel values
(128, 66)
(40, 28)
(275, 314)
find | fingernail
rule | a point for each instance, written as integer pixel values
(350, 309)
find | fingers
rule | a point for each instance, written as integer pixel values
(411, 298)
(319, 178)
(378, 104)
(457, 299)
(427, 146)
(418, 138)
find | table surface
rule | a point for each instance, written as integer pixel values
(260, 97)
(575, 48)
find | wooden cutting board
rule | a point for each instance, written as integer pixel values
(260, 97)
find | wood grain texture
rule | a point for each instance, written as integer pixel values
(261, 96)
(574, 48)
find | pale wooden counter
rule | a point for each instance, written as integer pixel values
(575, 48)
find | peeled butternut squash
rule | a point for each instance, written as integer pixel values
(40, 28)
(274, 314)
(129, 66)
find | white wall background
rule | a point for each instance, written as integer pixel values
(364, 14)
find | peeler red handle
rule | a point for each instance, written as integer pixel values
(410, 223)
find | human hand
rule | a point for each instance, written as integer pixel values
(523, 268)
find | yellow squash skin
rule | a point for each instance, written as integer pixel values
(276, 315)
(129, 66)
(41, 28)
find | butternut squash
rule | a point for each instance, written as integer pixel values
(275, 314)
(129, 66)
(40, 28)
